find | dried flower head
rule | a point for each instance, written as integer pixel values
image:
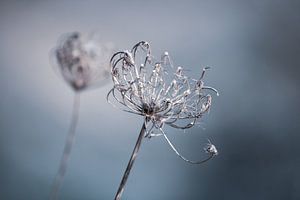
(161, 94)
(82, 60)
(164, 95)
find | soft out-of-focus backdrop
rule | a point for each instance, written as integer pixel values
(253, 48)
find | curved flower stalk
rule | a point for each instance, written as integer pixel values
(162, 94)
(83, 63)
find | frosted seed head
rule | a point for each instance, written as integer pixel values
(211, 149)
(158, 89)
(159, 92)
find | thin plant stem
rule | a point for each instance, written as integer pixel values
(57, 183)
(131, 161)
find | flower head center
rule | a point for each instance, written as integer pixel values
(149, 109)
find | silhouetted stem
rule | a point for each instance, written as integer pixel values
(57, 183)
(131, 161)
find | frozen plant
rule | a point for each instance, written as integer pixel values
(82, 60)
(83, 63)
(162, 94)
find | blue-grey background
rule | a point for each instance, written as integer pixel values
(253, 48)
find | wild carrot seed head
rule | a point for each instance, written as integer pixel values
(156, 89)
(82, 60)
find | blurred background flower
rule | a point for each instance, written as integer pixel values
(82, 62)
(253, 49)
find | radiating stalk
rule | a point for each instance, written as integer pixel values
(57, 183)
(131, 161)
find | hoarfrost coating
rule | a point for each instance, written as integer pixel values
(158, 91)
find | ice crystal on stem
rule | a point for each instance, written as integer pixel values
(162, 94)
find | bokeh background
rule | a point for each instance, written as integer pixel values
(253, 48)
